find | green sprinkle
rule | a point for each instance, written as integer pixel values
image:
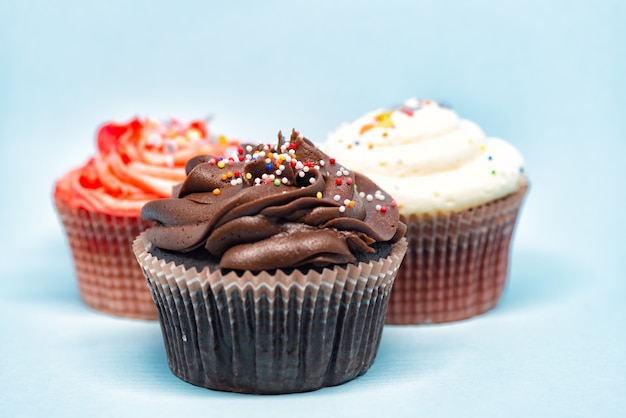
(493, 172)
(276, 182)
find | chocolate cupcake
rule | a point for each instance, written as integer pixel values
(271, 271)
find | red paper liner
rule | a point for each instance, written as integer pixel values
(456, 264)
(270, 332)
(109, 279)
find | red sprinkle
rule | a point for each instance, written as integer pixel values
(293, 163)
(240, 150)
(237, 173)
(332, 161)
(349, 181)
(338, 182)
(383, 209)
(292, 145)
(212, 161)
(242, 158)
(231, 162)
(393, 203)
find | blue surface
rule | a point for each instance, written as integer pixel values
(547, 76)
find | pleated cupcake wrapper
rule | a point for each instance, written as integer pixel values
(109, 279)
(456, 264)
(270, 332)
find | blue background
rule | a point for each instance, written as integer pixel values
(546, 75)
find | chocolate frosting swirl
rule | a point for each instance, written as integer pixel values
(274, 207)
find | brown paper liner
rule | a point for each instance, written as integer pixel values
(270, 332)
(456, 264)
(109, 279)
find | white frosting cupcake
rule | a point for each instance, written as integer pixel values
(428, 158)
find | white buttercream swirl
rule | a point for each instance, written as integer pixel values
(428, 158)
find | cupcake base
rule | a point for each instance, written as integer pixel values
(456, 264)
(109, 279)
(270, 332)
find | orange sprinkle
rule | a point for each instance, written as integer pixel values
(216, 192)
(351, 204)
(370, 146)
(224, 178)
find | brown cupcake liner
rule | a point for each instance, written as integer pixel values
(270, 332)
(109, 279)
(456, 264)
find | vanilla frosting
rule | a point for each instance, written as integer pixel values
(428, 158)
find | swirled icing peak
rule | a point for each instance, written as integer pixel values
(277, 206)
(429, 158)
(136, 162)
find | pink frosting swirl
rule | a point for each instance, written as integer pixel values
(137, 162)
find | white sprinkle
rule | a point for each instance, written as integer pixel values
(339, 173)
(249, 148)
(257, 181)
(312, 180)
(264, 176)
(362, 195)
(380, 197)
(301, 174)
(281, 167)
(233, 182)
(305, 168)
(268, 161)
(336, 198)
(322, 163)
(285, 180)
(346, 202)
(299, 165)
(239, 180)
(378, 207)
(261, 154)
(272, 176)
(346, 173)
(369, 197)
(342, 209)
(279, 172)
(292, 151)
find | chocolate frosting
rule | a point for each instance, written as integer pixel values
(274, 207)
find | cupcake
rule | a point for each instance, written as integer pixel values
(271, 272)
(459, 193)
(99, 205)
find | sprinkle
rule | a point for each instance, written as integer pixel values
(339, 173)
(332, 161)
(302, 174)
(240, 150)
(336, 198)
(237, 173)
(279, 172)
(312, 180)
(319, 195)
(493, 172)
(285, 180)
(293, 145)
(483, 147)
(346, 202)
(248, 176)
(224, 178)
(269, 166)
(521, 170)
(338, 182)
(371, 146)
(212, 161)
(305, 169)
(393, 203)
(233, 182)
(383, 209)
(249, 148)
(349, 181)
(241, 158)
(257, 181)
(349, 146)
(369, 198)
(342, 209)
(490, 158)
(216, 192)
(221, 164)
(229, 175)
(322, 163)
(361, 194)
(378, 207)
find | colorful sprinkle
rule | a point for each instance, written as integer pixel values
(216, 192)
(383, 209)
(221, 164)
(319, 195)
(493, 172)
(338, 182)
(349, 181)
(248, 176)
(332, 161)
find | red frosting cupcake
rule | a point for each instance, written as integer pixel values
(99, 205)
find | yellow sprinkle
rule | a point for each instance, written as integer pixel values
(382, 163)
(319, 195)
(370, 146)
(221, 164)
(482, 148)
(222, 140)
(248, 176)
(216, 192)
(385, 134)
